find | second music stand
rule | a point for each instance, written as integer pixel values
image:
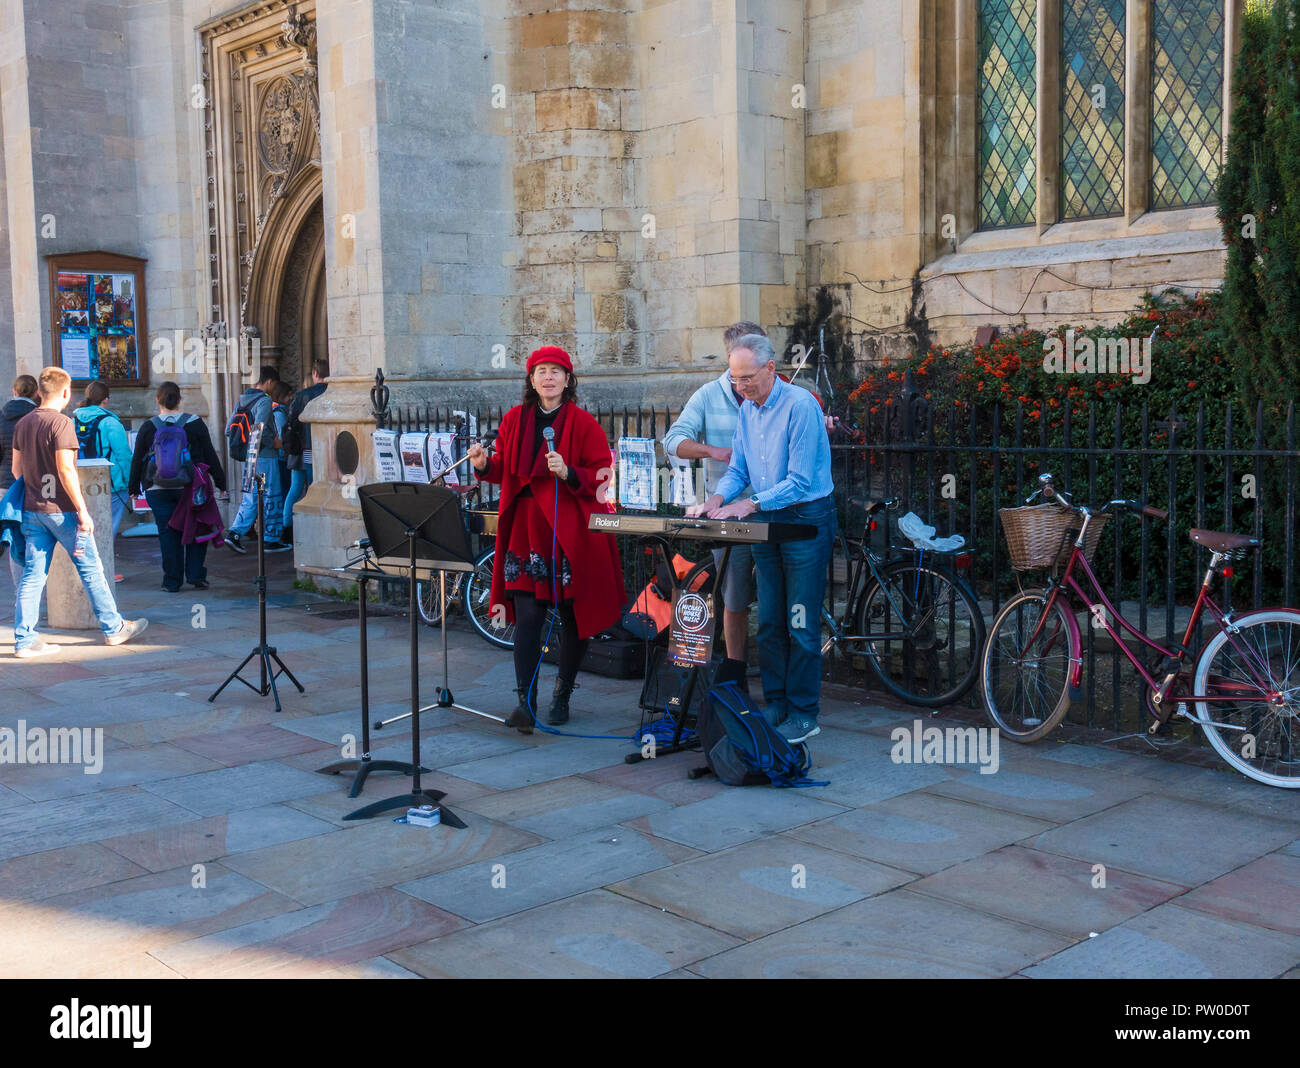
(426, 522)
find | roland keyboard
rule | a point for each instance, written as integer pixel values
(671, 527)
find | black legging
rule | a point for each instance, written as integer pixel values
(530, 620)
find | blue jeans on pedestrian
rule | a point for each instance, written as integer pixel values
(121, 502)
(274, 503)
(42, 530)
(180, 562)
(791, 589)
(299, 480)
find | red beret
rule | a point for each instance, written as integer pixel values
(550, 354)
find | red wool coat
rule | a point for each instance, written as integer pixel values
(598, 591)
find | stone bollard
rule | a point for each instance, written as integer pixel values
(67, 605)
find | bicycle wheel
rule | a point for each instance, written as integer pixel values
(428, 601)
(478, 607)
(938, 659)
(478, 604)
(1026, 689)
(1259, 737)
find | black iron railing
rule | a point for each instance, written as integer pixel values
(956, 465)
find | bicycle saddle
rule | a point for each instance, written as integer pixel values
(1218, 542)
(870, 505)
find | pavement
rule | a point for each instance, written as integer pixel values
(208, 845)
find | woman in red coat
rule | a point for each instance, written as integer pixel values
(545, 553)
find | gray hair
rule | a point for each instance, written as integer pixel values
(759, 345)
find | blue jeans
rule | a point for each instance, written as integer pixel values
(791, 589)
(274, 502)
(42, 530)
(121, 502)
(299, 480)
(180, 562)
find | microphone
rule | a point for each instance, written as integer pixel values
(549, 434)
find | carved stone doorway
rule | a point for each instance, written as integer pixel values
(302, 329)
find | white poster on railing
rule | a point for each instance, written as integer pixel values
(413, 448)
(441, 455)
(388, 463)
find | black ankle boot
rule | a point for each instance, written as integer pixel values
(522, 717)
(560, 705)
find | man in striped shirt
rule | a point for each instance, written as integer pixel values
(703, 432)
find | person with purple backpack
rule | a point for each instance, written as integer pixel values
(167, 448)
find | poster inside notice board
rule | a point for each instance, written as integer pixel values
(97, 321)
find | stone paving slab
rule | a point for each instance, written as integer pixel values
(63, 871)
(562, 808)
(665, 777)
(1174, 942)
(736, 816)
(920, 832)
(243, 745)
(1047, 891)
(374, 968)
(754, 889)
(499, 886)
(217, 836)
(1263, 893)
(895, 935)
(539, 764)
(67, 821)
(309, 943)
(1165, 839)
(134, 915)
(1054, 791)
(121, 766)
(245, 786)
(861, 782)
(374, 854)
(597, 935)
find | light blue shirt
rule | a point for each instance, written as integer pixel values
(709, 416)
(781, 449)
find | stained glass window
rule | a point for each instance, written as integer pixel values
(1186, 101)
(1092, 108)
(1007, 103)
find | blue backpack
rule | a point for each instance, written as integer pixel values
(743, 749)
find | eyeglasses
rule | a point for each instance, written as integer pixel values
(744, 380)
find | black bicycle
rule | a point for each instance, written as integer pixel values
(915, 621)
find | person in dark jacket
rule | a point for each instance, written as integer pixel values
(300, 461)
(24, 400)
(180, 562)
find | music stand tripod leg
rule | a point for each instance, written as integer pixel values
(365, 765)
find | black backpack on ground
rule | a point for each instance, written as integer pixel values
(742, 748)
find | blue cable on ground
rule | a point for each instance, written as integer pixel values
(555, 602)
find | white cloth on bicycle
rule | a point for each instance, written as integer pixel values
(922, 536)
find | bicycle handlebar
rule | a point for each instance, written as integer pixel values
(1047, 489)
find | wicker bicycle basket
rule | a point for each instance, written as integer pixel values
(1041, 536)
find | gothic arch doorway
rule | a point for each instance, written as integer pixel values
(301, 328)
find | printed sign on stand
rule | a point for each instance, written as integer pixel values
(690, 634)
(249, 484)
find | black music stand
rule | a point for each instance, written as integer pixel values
(264, 651)
(426, 522)
(365, 764)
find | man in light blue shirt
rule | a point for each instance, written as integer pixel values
(781, 449)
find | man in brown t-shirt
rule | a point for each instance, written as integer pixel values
(54, 511)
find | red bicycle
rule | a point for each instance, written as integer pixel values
(1243, 689)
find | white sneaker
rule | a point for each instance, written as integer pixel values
(128, 630)
(37, 648)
